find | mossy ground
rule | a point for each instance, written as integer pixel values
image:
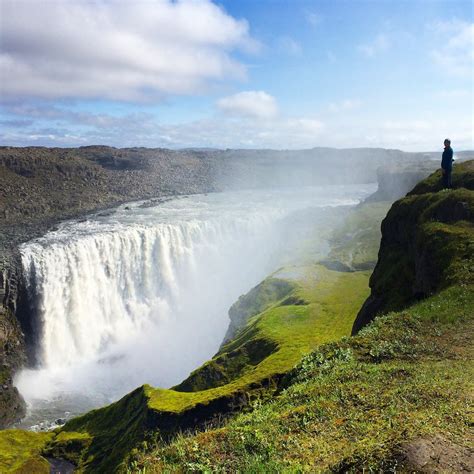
(350, 405)
(21, 451)
(462, 177)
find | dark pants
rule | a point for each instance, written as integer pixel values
(447, 179)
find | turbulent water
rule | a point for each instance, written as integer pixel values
(141, 294)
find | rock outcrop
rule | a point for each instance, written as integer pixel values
(12, 343)
(427, 245)
(255, 301)
(395, 181)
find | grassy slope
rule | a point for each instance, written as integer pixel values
(291, 330)
(352, 404)
(463, 177)
(295, 329)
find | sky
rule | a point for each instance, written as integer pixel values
(237, 73)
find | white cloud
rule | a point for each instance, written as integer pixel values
(279, 132)
(456, 55)
(345, 105)
(119, 49)
(62, 126)
(373, 48)
(418, 134)
(70, 127)
(256, 104)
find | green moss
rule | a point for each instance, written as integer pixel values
(427, 245)
(449, 250)
(20, 451)
(228, 366)
(68, 445)
(258, 299)
(462, 177)
(246, 350)
(294, 329)
(101, 439)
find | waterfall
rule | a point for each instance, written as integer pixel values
(141, 295)
(99, 290)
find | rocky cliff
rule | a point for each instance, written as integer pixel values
(395, 181)
(427, 245)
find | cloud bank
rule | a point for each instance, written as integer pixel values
(117, 50)
(256, 104)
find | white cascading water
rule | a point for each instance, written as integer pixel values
(141, 294)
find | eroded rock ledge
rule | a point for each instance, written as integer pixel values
(427, 245)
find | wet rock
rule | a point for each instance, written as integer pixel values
(60, 466)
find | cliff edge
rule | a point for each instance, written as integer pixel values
(427, 245)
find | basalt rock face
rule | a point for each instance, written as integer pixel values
(427, 244)
(395, 181)
(12, 346)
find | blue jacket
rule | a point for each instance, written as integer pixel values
(447, 160)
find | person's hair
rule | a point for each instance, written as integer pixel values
(447, 141)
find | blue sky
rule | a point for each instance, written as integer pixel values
(258, 74)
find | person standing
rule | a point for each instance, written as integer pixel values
(447, 164)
